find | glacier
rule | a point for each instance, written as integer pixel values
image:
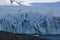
(30, 20)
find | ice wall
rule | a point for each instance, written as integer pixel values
(30, 20)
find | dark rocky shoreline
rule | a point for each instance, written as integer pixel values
(12, 36)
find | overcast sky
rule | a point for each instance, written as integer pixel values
(27, 1)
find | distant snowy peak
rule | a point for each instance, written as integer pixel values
(7, 2)
(21, 3)
(16, 3)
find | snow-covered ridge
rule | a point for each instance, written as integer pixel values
(26, 2)
(15, 3)
(30, 20)
(46, 4)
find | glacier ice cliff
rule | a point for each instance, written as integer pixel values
(30, 20)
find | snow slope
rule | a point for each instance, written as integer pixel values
(30, 20)
(46, 4)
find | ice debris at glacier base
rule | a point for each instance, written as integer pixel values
(30, 20)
